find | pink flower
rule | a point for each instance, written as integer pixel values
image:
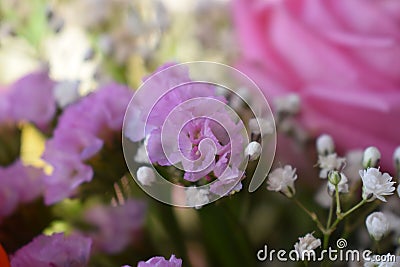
(81, 132)
(116, 227)
(345, 65)
(56, 250)
(28, 99)
(18, 184)
(186, 124)
(31, 98)
(161, 262)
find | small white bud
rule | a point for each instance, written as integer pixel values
(253, 150)
(377, 225)
(339, 180)
(371, 157)
(146, 175)
(325, 144)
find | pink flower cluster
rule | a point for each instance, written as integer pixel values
(82, 130)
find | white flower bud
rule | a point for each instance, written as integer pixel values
(371, 157)
(334, 177)
(377, 225)
(253, 150)
(325, 144)
(146, 175)
(339, 179)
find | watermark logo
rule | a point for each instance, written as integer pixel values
(186, 131)
(338, 254)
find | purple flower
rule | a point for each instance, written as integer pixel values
(31, 98)
(18, 184)
(81, 132)
(56, 250)
(115, 226)
(161, 262)
(68, 173)
(187, 125)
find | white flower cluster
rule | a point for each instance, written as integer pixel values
(306, 244)
(282, 180)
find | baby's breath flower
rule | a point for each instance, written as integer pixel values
(325, 144)
(371, 157)
(146, 175)
(196, 197)
(253, 150)
(376, 184)
(306, 244)
(377, 225)
(328, 163)
(282, 180)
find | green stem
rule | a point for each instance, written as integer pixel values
(341, 216)
(312, 215)
(328, 224)
(338, 208)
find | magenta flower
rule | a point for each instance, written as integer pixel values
(81, 131)
(56, 250)
(161, 262)
(304, 46)
(18, 184)
(116, 227)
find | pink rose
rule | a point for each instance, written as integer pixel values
(341, 57)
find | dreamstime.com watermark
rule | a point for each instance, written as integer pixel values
(340, 254)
